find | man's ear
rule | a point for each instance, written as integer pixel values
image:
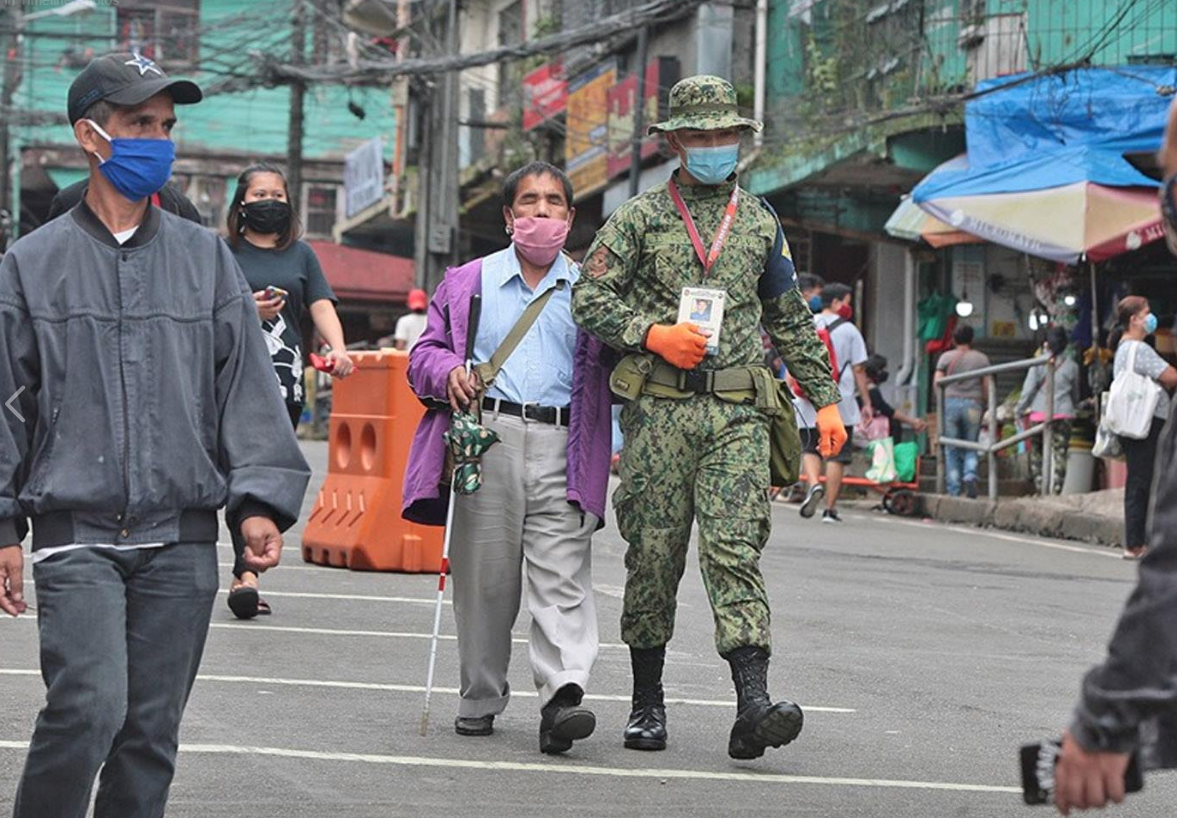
(571, 216)
(509, 218)
(87, 137)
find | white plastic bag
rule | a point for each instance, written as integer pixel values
(1107, 443)
(882, 461)
(1132, 401)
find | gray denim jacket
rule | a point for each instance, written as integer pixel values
(1130, 701)
(147, 396)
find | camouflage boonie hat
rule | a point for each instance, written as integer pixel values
(704, 103)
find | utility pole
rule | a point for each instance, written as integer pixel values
(639, 113)
(437, 177)
(298, 41)
(9, 210)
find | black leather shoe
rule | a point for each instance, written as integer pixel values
(646, 729)
(760, 723)
(481, 726)
(563, 720)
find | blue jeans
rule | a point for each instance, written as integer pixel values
(122, 633)
(962, 420)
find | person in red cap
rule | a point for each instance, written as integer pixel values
(409, 327)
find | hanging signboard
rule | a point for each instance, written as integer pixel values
(586, 150)
(363, 176)
(661, 74)
(545, 94)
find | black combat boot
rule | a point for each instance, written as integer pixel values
(646, 729)
(759, 722)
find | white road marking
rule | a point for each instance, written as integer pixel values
(451, 691)
(983, 532)
(253, 626)
(352, 597)
(574, 769)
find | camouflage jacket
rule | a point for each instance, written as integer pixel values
(643, 257)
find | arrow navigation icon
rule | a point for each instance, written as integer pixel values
(8, 404)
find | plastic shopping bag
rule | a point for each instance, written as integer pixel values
(882, 461)
(906, 455)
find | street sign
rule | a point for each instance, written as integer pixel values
(363, 176)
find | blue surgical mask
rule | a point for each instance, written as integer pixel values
(1150, 324)
(136, 168)
(815, 303)
(712, 166)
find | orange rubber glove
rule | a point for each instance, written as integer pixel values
(681, 345)
(831, 433)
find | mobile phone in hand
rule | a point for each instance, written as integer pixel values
(273, 292)
(322, 364)
(1039, 761)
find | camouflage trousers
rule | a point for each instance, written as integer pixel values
(704, 459)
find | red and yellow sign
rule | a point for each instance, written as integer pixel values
(586, 150)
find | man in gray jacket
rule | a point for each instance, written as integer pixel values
(140, 399)
(1130, 701)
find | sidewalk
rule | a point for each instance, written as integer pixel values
(1097, 517)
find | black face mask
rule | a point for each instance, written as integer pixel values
(881, 377)
(267, 216)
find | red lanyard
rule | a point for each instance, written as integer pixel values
(721, 234)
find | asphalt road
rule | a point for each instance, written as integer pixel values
(924, 655)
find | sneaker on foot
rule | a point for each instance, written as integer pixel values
(830, 516)
(970, 489)
(812, 499)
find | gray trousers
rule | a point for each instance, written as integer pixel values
(122, 634)
(521, 523)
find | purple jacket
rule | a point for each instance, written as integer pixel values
(590, 428)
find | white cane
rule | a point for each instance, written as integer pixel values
(445, 567)
(471, 331)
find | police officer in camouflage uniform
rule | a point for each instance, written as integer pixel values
(697, 437)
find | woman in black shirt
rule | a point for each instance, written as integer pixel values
(286, 279)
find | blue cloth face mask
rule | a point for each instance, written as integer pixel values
(136, 168)
(712, 166)
(1150, 324)
(815, 303)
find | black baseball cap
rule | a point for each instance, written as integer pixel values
(125, 79)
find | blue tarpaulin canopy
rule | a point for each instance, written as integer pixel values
(1050, 131)
(1046, 171)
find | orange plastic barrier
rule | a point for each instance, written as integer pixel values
(356, 522)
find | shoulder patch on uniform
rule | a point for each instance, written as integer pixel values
(779, 274)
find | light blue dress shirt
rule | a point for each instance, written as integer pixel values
(540, 369)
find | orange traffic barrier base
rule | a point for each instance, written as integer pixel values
(356, 521)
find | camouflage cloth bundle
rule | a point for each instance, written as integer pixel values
(468, 440)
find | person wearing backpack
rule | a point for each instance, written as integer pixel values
(848, 357)
(1137, 322)
(964, 404)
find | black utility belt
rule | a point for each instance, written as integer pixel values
(551, 415)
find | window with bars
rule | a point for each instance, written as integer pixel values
(167, 32)
(319, 210)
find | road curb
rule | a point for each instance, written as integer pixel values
(1025, 515)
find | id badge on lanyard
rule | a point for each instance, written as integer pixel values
(700, 305)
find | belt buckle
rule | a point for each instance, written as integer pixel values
(523, 410)
(692, 380)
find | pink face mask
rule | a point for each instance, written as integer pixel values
(539, 240)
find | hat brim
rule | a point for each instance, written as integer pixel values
(707, 122)
(183, 92)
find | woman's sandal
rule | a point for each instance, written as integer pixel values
(1135, 553)
(245, 603)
